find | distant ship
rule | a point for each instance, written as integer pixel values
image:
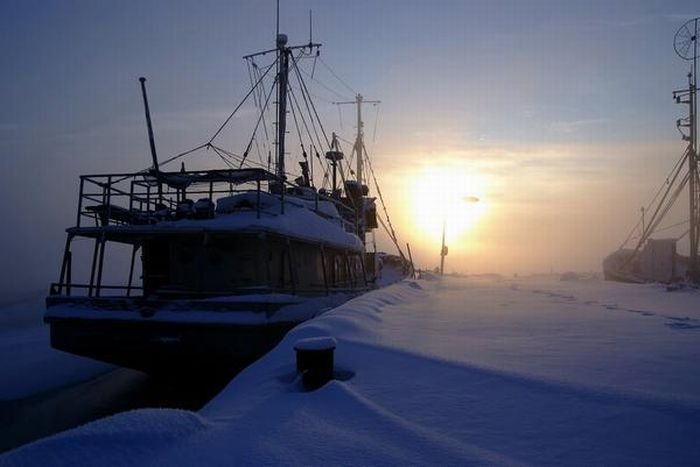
(228, 259)
(657, 259)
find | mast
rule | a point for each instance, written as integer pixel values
(685, 44)
(284, 53)
(693, 163)
(359, 147)
(358, 140)
(282, 79)
(694, 181)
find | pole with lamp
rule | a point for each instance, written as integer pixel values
(443, 249)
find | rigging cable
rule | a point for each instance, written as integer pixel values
(313, 107)
(294, 102)
(673, 174)
(349, 160)
(262, 92)
(671, 202)
(656, 220)
(336, 76)
(177, 156)
(257, 125)
(391, 231)
(240, 104)
(256, 99)
(308, 103)
(325, 86)
(226, 161)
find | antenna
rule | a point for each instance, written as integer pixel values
(311, 28)
(685, 41)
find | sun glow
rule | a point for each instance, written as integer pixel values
(446, 194)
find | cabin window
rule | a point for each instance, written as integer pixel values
(223, 265)
(338, 267)
(308, 264)
(156, 266)
(278, 264)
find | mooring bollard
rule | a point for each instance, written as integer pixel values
(315, 360)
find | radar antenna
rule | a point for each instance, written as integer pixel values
(685, 42)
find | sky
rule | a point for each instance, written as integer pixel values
(557, 115)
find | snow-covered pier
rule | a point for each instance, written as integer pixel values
(532, 371)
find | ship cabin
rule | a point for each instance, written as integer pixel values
(180, 244)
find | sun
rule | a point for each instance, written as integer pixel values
(449, 195)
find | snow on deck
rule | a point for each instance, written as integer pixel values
(298, 221)
(445, 372)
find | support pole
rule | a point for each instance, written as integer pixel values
(131, 269)
(358, 141)
(65, 265)
(282, 79)
(442, 249)
(69, 272)
(694, 181)
(151, 139)
(95, 252)
(325, 269)
(100, 265)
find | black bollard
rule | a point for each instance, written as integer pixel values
(315, 360)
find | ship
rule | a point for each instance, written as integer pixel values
(641, 257)
(220, 263)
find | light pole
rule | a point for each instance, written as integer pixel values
(443, 249)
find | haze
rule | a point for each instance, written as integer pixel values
(556, 115)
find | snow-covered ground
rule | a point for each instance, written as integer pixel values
(445, 372)
(28, 364)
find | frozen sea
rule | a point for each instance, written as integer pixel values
(453, 371)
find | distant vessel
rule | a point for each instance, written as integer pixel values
(657, 259)
(230, 259)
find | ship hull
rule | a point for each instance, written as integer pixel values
(167, 348)
(186, 337)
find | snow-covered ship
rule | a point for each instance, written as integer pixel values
(221, 263)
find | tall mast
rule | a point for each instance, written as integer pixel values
(358, 139)
(693, 161)
(284, 53)
(359, 146)
(282, 79)
(685, 44)
(694, 181)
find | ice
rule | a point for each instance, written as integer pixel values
(533, 371)
(29, 365)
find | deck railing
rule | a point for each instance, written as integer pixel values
(142, 198)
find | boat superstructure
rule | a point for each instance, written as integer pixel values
(221, 263)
